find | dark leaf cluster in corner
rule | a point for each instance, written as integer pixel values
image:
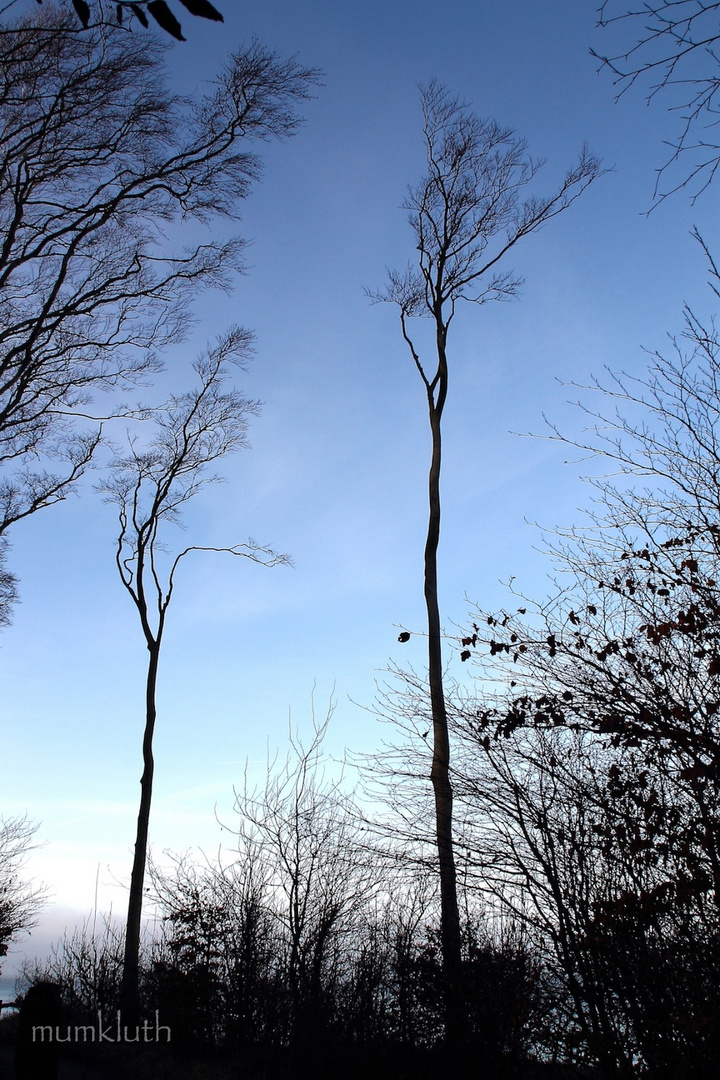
(158, 9)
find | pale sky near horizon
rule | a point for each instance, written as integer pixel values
(336, 475)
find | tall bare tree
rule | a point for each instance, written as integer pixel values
(150, 487)
(466, 214)
(98, 158)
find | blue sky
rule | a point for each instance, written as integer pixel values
(336, 475)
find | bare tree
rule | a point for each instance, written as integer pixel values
(302, 829)
(8, 586)
(466, 215)
(218, 966)
(19, 900)
(598, 723)
(97, 159)
(86, 964)
(676, 56)
(601, 838)
(534, 828)
(150, 487)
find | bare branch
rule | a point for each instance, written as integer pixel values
(97, 157)
(677, 54)
(19, 901)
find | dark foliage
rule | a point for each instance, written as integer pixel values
(37, 1059)
(302, 958)
(158, 9)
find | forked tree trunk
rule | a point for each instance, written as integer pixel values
(129, 992)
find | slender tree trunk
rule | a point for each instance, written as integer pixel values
(455, 1020)
(129, 993)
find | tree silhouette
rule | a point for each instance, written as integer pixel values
(300, 831)
(466, 215)
(600, 744)
(97, 158)
(150, 488)
(19, 901)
